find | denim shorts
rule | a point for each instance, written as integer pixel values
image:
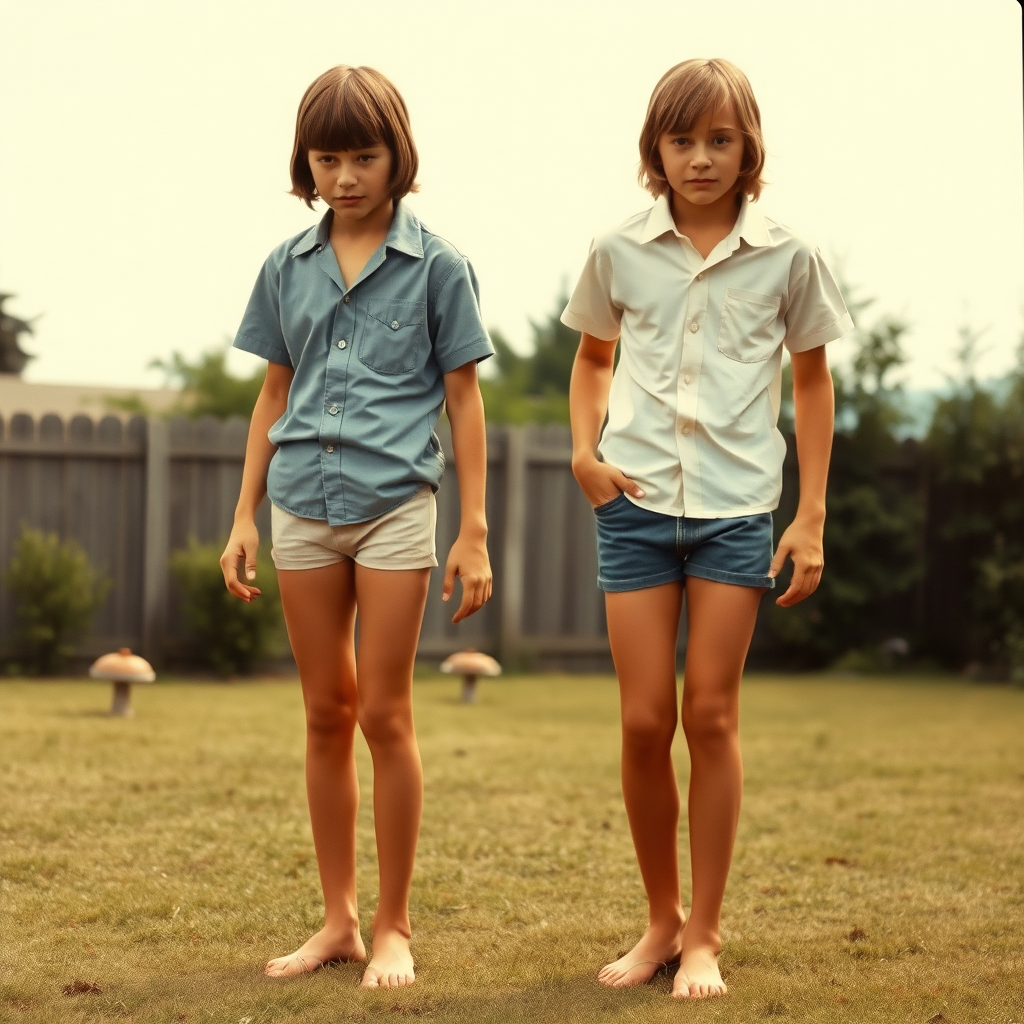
(637, 548)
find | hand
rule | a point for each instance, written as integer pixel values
(468, 560)
(801, 542)
(243, 543)
(602, 483)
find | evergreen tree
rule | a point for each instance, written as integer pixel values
(873, 554)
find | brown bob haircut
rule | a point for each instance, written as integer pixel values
(353, 108)
(683, 96)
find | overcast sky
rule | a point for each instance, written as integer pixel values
(145, 153)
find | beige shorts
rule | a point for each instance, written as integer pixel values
(400, 539)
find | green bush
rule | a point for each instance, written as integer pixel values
(233, 636)
(57, 592)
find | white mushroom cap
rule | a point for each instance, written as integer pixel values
(122, 667)
(471, 663)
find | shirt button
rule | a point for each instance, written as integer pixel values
(395, 325)
(686, 379)
(330, 447)
(345, 299)
(333, 410)
(686, 431)
(700, 277)
(694, 327)
(342, 343)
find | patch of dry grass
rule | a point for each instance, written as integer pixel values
(149, 867)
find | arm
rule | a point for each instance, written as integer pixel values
(244, 539)
(814, 408)
(588, 405)
(468, 557)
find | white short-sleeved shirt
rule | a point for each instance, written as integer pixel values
(694, 401)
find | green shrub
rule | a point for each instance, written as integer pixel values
(233, 636)
(57, 592)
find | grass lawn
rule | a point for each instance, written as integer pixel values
(879, 871)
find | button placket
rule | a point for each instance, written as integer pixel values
(337, 369)
(691, 358)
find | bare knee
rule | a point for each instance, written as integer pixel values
(330, 717)
(709, 722)
(646, 734)
(385, 724)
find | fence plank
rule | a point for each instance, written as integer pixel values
(514, 547)
(157, 541)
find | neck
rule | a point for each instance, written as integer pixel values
(722, 213)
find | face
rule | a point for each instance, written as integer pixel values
(354, 183)
(702, 165)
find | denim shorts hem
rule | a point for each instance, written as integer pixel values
(639, 582)
(739, 579)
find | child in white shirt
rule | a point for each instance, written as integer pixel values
(703, 291)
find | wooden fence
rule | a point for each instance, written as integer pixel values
(131, 493)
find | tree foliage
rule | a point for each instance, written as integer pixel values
(873, 554)
(57, 591)
(533, 388)
(231, 636)
(208, 388)
(976, 518)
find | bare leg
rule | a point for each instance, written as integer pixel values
(391, 606)
(642, 630)
(721, 623)
(319, 608)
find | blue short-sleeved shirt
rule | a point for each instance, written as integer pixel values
(357, 437)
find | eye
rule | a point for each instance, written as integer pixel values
(723, 140)
(682, 140)
(366, 157)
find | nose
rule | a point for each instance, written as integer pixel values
(701, 157)
(346, 174)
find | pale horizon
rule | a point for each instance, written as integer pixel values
(146, 158)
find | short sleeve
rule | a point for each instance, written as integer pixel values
(456, 328)
(260, 330)
(590, 307)
(816, 313)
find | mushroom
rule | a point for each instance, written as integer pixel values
(469, 664)
(122, 669)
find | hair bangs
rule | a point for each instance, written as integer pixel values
(342, 117)
(685, 109)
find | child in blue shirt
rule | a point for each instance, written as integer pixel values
(369, 324)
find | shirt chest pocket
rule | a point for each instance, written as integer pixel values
(750, 331)
(392, 336)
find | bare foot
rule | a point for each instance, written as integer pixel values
(326, 947)
(391, 964)
(658, 948)
(699, 976)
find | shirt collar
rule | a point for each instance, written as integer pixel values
(750, 224)
(405, 234)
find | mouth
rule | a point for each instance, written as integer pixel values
(700, 181)
(348, 199)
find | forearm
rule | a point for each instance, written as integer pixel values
(259, 450)
(588, 397)
(465, 409)
(814, 409)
